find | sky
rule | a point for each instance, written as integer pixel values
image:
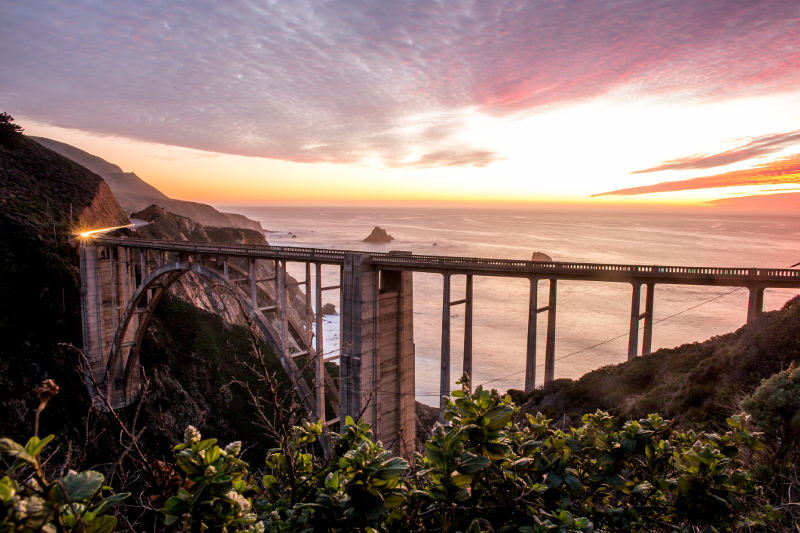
(423, 101)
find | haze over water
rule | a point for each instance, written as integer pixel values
(588, 312)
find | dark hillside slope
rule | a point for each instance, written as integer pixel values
(44, 198)
(694, 384)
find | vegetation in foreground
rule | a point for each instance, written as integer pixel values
(489, 469)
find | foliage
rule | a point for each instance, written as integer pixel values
(8, 130)
(489, 469)
(775, 409)
(214, 497)
(78, 501)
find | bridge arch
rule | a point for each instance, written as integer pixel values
(156, 283)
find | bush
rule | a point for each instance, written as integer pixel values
(9, 132)
(775, 408)
(488, 470)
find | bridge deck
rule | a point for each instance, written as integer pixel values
(685, 275)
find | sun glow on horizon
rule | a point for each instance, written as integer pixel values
(563, 154)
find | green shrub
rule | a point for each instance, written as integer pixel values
(775, 408)
(489, 469)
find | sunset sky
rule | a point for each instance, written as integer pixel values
(254, 101)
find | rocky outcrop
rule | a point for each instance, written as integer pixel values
(379, 236)
(328, 309)
(169, 226)
(540, 256)
(134, 194)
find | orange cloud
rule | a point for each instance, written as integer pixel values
(758, 146)
(779, 172)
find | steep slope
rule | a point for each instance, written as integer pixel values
(44, 199)
(694, 384)
(134, 194)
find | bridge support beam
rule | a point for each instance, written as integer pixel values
(633, 336)
(636, 317)
(377, 359)
(647, 338)
(467, 361)
(755, 303)
(550, 347)
(444, 376)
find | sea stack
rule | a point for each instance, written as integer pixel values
(379, 236)
(540, 256)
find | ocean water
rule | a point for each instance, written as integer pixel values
(593, 317)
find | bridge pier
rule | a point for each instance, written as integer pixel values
(550, 346)
(636, 317)
(377, 356)
(755, 303)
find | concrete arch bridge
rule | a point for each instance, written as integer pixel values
(123, 280)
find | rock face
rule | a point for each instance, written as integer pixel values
(328, 309)
(540, 256)
(379, 236)
(134, 194)
(169, 226)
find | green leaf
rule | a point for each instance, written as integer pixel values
(35, 445)
(101, 524)
(499, 416)
(77, 487)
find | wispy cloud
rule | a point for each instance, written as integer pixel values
(456, 158)
(764, 145)
(333, 81)
(780, 172)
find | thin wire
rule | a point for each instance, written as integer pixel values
(617, 337)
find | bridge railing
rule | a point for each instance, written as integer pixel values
(411, 261)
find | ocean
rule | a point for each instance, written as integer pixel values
(593, 317)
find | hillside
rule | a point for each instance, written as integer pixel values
(44, 199)
(695, 384)
(134, 194)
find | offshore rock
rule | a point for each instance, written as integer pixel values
(540, 256)
(379, 236)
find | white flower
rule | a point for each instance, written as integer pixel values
(234, 447)
(33, 484)
(259, 527)
(210, 471)
(240, 501)
(191, 435)
(21, 507)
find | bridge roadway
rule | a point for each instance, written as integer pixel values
(637, 274)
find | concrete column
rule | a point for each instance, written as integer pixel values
(91, 312)
(755, 303)
(550, 349)
(647, 338)
(358, 283)
(633, 336)
(253, 293)
(319, 373)
(281, 273)
(395, 423)
(467, 364)
(530, 355)
(444, 381)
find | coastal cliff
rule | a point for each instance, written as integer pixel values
(134, 194)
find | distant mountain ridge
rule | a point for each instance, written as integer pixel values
(135, 194)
